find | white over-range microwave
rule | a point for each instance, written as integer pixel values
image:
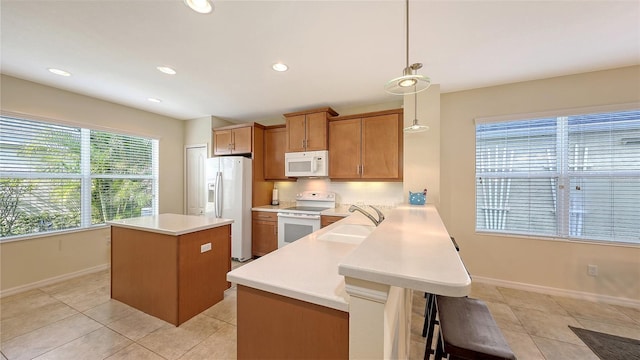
(307, 164)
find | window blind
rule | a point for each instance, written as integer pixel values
(567, 176)
(57, 177)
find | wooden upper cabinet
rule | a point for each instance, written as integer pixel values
(230, 141)
(242, 140)
(275, 145)
(368, 147)
(344, 149)
(316, 130)
(296, 133)
(222, 140)
(307, 131)
(381, 147)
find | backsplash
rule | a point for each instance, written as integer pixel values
(350, 192)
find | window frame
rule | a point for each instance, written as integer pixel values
(85, 176)
(562, 173)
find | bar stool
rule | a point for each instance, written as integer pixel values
(430, 311)
(468, 331)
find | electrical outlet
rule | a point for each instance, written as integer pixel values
(205, 247)
(592, 270)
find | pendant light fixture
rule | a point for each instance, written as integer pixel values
(415, 127)
(410, 82)
(200, 6)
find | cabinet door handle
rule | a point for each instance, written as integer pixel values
(358, 169)
(275, 230)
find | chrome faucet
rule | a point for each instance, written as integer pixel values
(380, 215)
(353, 208)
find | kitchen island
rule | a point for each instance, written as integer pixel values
(170, 266)
(363, 281)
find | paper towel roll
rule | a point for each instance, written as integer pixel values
(274, 197)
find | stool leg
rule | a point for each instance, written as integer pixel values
(430, 323)
(426, 313)
(439, 348)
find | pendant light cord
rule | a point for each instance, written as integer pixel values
(415, 107)
(407, 37)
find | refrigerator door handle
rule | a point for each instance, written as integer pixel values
(218, 204)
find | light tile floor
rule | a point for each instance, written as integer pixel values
(76, 319)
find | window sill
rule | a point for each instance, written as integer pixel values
(559, 239)
(50, 233)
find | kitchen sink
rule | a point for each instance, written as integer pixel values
(348, 233)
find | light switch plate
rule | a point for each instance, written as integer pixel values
(205, 247)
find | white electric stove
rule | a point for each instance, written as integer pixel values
(301, 220)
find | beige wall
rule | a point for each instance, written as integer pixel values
(422, 150)
(545, 263)
(198, 131)
(30, 261)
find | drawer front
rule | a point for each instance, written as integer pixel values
(326, 220)
(264, 215)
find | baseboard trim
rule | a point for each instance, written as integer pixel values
(52, 280)
(559, 292)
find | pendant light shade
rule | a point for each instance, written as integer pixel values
(415, 127)
(200, 6)
(410, 82)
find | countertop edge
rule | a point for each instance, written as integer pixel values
(290, 293)
(165, 231)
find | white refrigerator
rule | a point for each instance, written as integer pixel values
(228, 181)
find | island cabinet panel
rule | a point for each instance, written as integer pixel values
(168, 276)
(143, 271)
(202, 275)
(272, 326)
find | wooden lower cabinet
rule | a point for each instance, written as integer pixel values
(272, 326)
(326, 220)
(264, 238)
(168, 276)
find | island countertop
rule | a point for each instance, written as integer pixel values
(171, 224)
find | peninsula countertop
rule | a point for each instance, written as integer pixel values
(411, 249)
(171, 224)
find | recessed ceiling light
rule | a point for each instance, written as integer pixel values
(154, 100)
(201, 6)
(60, 72)
(166, 70)
(280, 67)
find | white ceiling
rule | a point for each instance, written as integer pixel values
(340, 53)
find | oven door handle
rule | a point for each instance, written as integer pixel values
(305, 217)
